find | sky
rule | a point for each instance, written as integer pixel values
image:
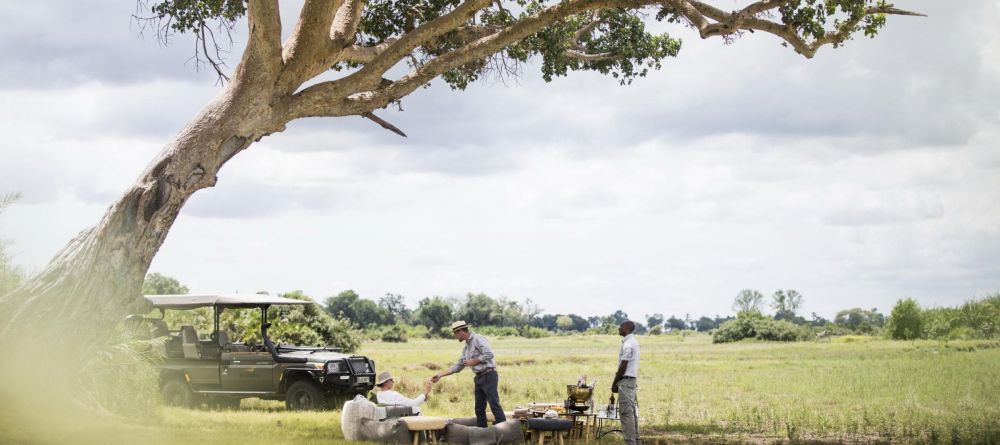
(865, 175)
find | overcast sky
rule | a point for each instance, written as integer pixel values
(868, 174)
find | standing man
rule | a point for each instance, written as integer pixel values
(477, 355)
(625, 383)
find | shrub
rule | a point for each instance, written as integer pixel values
(754, 325)
(905, 322)
(394, 334)
(938, 323)
(533, 332)
(497, 331)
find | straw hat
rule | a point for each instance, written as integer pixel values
(383, 377)
(458, 325)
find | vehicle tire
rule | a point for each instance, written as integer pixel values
(304, 395)
(177, 393)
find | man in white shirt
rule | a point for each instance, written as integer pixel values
(387, 396)
(625, 383)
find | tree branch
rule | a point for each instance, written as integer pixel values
(413, 39)
(711, 22)
(585, 31)
(383, 123)
(309, 45)
(364, 54)
(262, 57)
(345, 23)
(588, 57)
(360, 102)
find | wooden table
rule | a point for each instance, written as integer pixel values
(583, 424)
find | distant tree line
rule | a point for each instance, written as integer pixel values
(390, 319)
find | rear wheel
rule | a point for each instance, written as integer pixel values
(177, 393)
(304, 395)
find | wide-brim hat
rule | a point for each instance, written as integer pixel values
(458, 325)
(383, 377)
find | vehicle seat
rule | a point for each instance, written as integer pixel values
(159, 328)
(228, 346)
(189, 342)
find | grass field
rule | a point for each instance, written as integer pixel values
(852, 389)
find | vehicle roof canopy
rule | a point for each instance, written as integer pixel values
(228, 300)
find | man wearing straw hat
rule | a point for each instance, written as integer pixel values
(477, 355)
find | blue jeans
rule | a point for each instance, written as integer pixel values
(486, 391)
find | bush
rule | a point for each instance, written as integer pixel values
(981, 317)
(497, 331)
(417, 331)
(394, 334)
(533, 332)
(905, 322)
(754, 325)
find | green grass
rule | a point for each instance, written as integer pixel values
(840, 390)
(857, 390)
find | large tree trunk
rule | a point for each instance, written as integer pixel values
(96, 279)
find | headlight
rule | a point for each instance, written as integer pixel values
(335, 367)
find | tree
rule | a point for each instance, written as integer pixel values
(786, 304)
(342, 305)
(395, 306)
(654, 320)
(156, 284)
(748, 300)
(564, 323)
(361, 311)
(479, 310)
(97, 277)
(675, 324)
(860, 320)
(616, 318)
(435, 313)
(705, 324)
(905, 321)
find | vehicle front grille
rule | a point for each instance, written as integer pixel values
(360, 366)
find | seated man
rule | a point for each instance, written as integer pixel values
(387, 396)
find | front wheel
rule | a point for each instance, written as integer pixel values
(177, 393)
(304, 395)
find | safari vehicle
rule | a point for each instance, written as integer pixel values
(214, 370)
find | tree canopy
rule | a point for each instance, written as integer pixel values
(463, 41)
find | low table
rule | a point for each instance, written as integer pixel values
(429, 424)
(583, 423)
